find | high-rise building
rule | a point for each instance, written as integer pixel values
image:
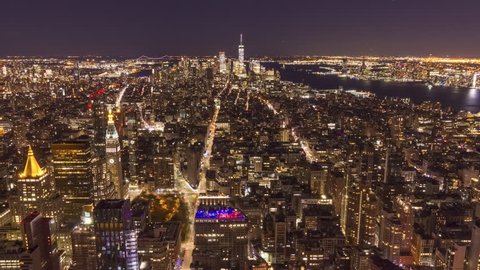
(83, 242)
(160, 245)
(318, 178)
(392, 240)
(280, 242)
(34, 192)
(163, 171)
(222, 62)
(220, 237)
(38, 235)
(113, 158)
(359, 212)
(115, 236)
(74, 178)
(423, 248)
(241, 51)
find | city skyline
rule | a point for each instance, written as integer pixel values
(274, 28)
(239, 159)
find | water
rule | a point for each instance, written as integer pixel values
(455, 98)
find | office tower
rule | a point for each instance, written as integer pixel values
(113, 158)
(403, 206)
(423, 247)
(220, 237)
(160, 245)
(256, 164)
(280, 243)
(318, 177)
(115, 237)
(241, 51)
(163, 171)
(131, 137)
(393, 165)
(392, 240)
(73, 173)
(359, 212)
(83, 242)
(34, 192)
(99, 114)
(397, 128)
(222, 62)
(38, 235)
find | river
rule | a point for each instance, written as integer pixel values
(455, 98)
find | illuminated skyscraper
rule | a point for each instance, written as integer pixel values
(113, 158)
(115, 236)
(34, 192)
(241, 51)
(222, 62)
(72, 163)
(358, 217)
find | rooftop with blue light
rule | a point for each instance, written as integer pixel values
(220, 213)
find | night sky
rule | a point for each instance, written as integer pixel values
(271, 27)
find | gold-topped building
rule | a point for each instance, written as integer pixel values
(32, 169)
(34, 191)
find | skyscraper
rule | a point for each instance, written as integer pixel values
(115, 237)
(72, 163)
(113, 157)
(34, 192)
(241, 51)
(222, 62)
(83, 242)
(40, 242)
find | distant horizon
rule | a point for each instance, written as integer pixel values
(229, 56)
(124, 28)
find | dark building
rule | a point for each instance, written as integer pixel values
(38, 234)
(164, 171)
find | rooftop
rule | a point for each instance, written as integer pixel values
(32, 169)
(219, 213)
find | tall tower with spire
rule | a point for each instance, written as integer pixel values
(113, 157)
(241, 51)
(34, 191)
